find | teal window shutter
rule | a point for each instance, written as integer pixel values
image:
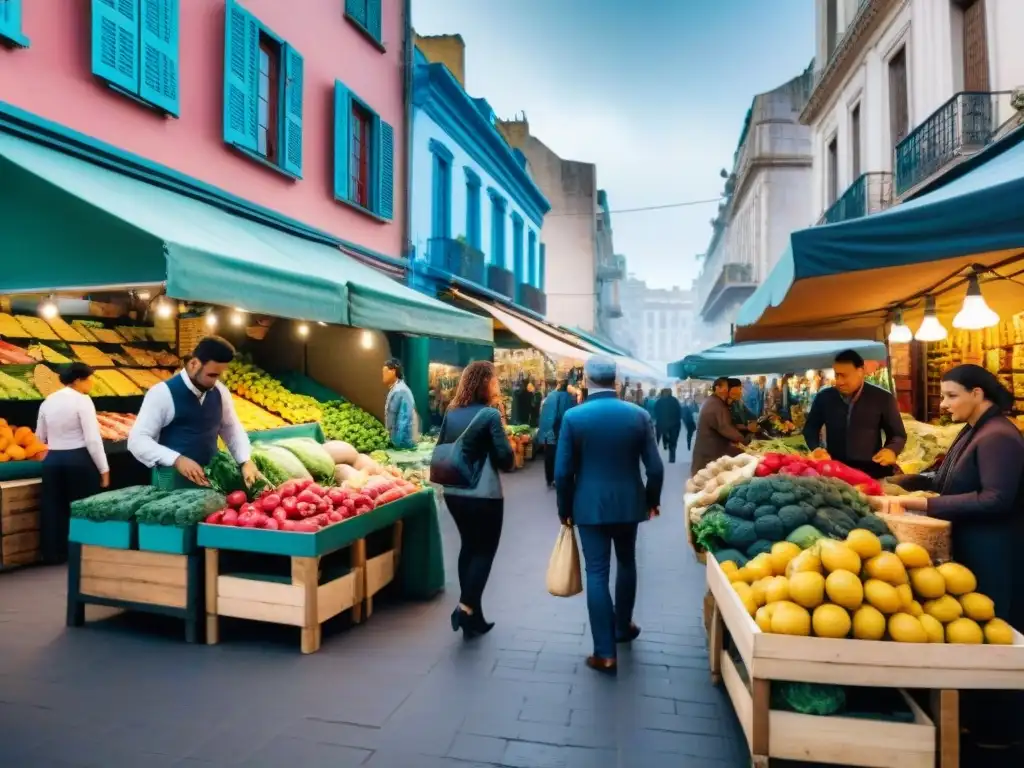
(472, 208)
(517, 247)
(159, 42)
(531, 259)
(10, 23)
(342, 139)
(291, 112)
(373, 18)
(386, 169)
(357, 10)
(241, 78)
(542, 265)
(115, 42)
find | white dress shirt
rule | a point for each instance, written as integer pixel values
(157, 412)
(67, 421)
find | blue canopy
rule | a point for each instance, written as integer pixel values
(844, 280)
(753, 358)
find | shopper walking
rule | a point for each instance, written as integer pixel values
(689, 420)
(668, 416)
(76, 464)
(602, 491)
(478, 508)
(552, 411)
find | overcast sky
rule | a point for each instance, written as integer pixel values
(652, 91)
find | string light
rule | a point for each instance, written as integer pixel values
(164, 309)
(211, 319)
(931, 329)
(975, 313)
(48, 309)
(367, 340)
(900, 332)
(237, 317)
(302, 329)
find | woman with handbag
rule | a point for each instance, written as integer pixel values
(471, 448)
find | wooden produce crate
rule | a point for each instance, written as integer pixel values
(380, 570)
(153, 582)
(19, 522)
(940, 668)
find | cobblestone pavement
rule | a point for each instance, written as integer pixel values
(401, 691)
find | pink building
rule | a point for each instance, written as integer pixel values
(294, 107)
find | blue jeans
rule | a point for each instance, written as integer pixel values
(607, 620)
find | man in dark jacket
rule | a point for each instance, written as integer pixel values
(855, 414)
(552, 410)
(717, 436)
(668, 418)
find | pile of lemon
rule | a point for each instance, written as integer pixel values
(853, 589)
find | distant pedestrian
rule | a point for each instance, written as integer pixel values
(552, 411)
(668, 418)
(689, 420)
(602, 491)
(649, 402)
(478, 511)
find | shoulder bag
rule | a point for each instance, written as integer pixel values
(451, 464)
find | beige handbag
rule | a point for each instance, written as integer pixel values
(564, 578)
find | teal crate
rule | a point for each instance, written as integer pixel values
(329, 539)
(167, 538)
(115, 534)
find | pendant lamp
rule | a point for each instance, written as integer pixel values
(931, 329)
(900, 332)
(975, 313)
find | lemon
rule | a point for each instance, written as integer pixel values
(959, 580)
(844, 588)
(998, 632)
(791, 619)
(728, 567)
(864, 543)
(882, 596)
(978, 606)
(763, 618)
(906, 596)
(934, 629)
(760, 567)
(886, 567)
(868, 623)
(913, 555)
(927, 582)
(746, 593)
(807, 560)
(741, 575)
(831, 621)
(757, 588)
(915, 609)
(782, 552)
(807, 588)
(836, 556)
(776, 589)
(904, 628)
(964, 631)
(945, 609)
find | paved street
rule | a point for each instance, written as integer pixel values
(399, 692)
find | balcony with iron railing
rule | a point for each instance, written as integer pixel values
(612, 269)
(532, 298)
(456, 257)
(870, 193)
(718, 284)
(962, 126)
(501, 281)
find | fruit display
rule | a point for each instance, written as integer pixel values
(350, 423)
(145, 379)
(37, 328)
(926, 444)
(132, 332)
(19, 444)
(118, 382)
(66, 332)
(92, 356)
(856, 589)
(95, 331)
(45, 380)
(15, 386)
(257, 386)
(47, 354)
(254, 418)
(10, 328)
(14, 355)
(140, 356)
(115, 426)
(818, 464)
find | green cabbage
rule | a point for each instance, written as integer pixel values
(312, 455)
(286, 462)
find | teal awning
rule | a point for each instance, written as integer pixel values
(67, 224)
(844, 280)
(755, 358)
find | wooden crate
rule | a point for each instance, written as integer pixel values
(133, 580)
(380, 570)
(19, 522)
(943, 669)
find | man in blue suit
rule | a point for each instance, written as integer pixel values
(601, 490)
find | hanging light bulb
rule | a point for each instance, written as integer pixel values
(302, 329)
(900, 332)
(144, 295)
(321, 323)
(211, 319)
(237, 318)
(164, 309)
(48, 309)
(367, 340)
(931, 329)
(975, 313)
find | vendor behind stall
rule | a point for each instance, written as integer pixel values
(181, 418)
(742, 417)
(855, 415)
(400, 416)
(76, 464)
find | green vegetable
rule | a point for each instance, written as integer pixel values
(740, 533)
(181, 508)
(759, 547)
(764, 509)
(312, 455)
(225, 476)
(808, 698)
(805, 536)
(738, 506)
(709, 532)
(731, 555)
(285, 461)
(781, 499)
(361, 430)
(114, 505)
(274, 474)
(759, 490)
(889, 542)
(381, 457)
(769, 528)
(792, 517)
(874, 524)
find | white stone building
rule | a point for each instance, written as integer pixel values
(659, 323)
(767, 196)
(904, 90)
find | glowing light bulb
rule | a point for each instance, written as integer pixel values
(237, 318)
(900, 332)
(164, 309)
(302, 329)
(367, 340)
(931, 329)
(48, 309)
(975, 313)
(211, 320)
(144, 295)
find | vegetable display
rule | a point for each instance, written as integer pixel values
(115, 505)
(926, 444)
(225, 476)
(180, 508)
(347, 422)
(314, 458)
(854, 588)
(284, 462)
(718, 476)
(259, 387)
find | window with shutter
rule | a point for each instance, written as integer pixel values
(291, 113)
(10, 24)
(241, 78)
(367, 16)
(975, 47)
(531, 259)
(158, 83)
(517, 248)
(386, 183)
(542, 259)
(899, 97)
(364, 148)
(473, 210)
(342, 119)
(115, 42)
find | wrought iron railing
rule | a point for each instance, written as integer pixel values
(611, 270)
(962, 126)
(532, 298)
(870, 193)
(500, 280)
(456, 257)
(711, 284)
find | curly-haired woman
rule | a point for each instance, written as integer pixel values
(477, 511)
